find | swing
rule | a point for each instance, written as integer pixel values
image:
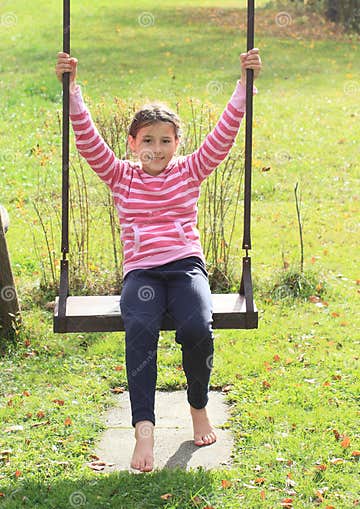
(102, 313)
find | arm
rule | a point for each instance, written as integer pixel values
(90, 144)
(88, 140)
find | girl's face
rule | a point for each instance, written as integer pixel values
(155, 145)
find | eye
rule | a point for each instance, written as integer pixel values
(166, 141)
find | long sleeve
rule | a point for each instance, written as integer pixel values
(90, 144)
(218, 143)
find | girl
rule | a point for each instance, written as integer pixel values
(164, 266)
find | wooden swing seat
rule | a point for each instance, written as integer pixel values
(102, 314)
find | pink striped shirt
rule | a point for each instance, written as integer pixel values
(158, 214)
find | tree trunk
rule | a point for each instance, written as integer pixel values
(9, 305)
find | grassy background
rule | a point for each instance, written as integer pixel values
(306, 130)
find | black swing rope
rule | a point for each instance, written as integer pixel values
(246, 282)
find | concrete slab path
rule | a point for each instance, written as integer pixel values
(174, 445)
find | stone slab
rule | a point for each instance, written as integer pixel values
(174, 445)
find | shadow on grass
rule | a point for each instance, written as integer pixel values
(120, 490)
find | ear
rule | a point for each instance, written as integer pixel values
(177, 143)
(131, 142)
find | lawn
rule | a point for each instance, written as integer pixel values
(293, 383)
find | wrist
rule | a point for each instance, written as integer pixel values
(73, 87)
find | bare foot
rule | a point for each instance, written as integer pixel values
(143, 457)
(204, 433)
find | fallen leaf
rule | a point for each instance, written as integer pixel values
(336, 377)
(96, 467)
(17, 473)
(266, 168)
(277, 358)
(335, 314)
(226, 484)
(337, 461)
(260, 480)
(322, 467)
(40, 414)
(227, 388)
(262, 494)
(119, 368)
(287, 503)
(345, 442)
(117, 390)
(5, 452)
(314, 298)
(26, 393)
(355, 454)
(166, 496)
(59, 402)
(68, 421)
(42, 423)
(336, 434)
(267, 366)
(266, 385)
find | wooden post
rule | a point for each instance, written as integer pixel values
(9, 304)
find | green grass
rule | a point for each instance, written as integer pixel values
(295, 379)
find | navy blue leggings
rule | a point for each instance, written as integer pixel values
(180, 288)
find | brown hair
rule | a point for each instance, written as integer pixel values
(152, 113)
